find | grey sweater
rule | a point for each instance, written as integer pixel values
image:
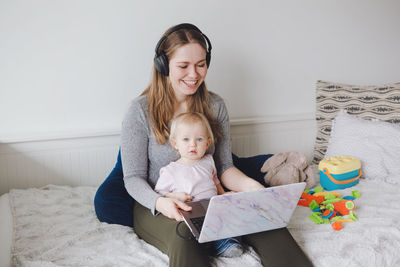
(142, 157)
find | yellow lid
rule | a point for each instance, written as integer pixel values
(339, 164)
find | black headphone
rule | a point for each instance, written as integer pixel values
(161, 60)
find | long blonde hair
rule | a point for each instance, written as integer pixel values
(161, 96)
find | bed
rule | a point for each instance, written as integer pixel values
(57, 226)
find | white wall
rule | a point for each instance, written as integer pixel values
(71, 67)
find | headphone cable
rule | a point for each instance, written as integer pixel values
(179, 234)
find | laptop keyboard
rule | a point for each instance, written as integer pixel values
(198, 222)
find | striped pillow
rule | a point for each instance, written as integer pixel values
(367, 102)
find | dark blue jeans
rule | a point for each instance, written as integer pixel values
(221, 245)
(114, 205)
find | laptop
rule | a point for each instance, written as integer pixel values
(242, 213)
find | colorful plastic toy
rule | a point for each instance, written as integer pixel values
(355, 194)
(306, 199)
(344, 206)
(339, 172)
(338, 225)
(336, 194)
(315, 218)
(329, 207)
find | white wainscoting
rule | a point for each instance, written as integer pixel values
(87, 159)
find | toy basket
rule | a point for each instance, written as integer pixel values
(339, 172)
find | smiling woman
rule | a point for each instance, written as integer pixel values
(180, 66)
(187, 71)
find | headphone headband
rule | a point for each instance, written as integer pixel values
(161, 60)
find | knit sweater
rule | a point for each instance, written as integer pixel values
(142, 157)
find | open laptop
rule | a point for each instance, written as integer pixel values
(242, 213)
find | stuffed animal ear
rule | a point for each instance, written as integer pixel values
(297, 159)
(274, 162)
(310, 177)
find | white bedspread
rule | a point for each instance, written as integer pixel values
(57, 226)
(374, 240)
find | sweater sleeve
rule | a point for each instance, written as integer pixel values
(134, 155)
(222, 154)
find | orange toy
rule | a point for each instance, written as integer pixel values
(337, 225)
(344, 206)
(306, 199)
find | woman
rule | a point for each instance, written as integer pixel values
(182, 59)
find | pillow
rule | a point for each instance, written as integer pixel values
(367, 102)
(375, 143)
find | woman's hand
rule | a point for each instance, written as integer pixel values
(169, 207)
(182, 196)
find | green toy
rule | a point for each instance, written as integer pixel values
(353, 216)
(355, 194)
(329, 196)
(315, 218)
(330, 206)
(314, 205)
(336, 218)
(329, 201)
(318, 189)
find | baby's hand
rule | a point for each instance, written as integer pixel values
(182, 196)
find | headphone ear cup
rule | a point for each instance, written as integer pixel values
(208, 59)
(161, 63)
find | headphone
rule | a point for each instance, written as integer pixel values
(161, 60)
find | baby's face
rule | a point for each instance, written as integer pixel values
(191, 141)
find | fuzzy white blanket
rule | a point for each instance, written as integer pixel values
(57, 226)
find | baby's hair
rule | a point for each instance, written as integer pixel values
(190, 117)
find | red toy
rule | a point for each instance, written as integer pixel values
(306, 199)
(337, 225)
(344, 206)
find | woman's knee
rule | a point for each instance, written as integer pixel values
(184, 250)
(112, 203)
(277, 248)
(171, 237)
(180, 238)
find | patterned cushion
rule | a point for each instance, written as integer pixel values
(367, 102)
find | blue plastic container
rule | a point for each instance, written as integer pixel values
(339, 172)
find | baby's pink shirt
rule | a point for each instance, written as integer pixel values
(198, 179)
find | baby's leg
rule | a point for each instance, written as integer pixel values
(228, 247)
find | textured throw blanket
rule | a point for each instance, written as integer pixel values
(57, 226)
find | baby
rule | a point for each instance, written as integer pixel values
(193, 176)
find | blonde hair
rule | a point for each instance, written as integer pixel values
(161, 96)
(191, 118)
